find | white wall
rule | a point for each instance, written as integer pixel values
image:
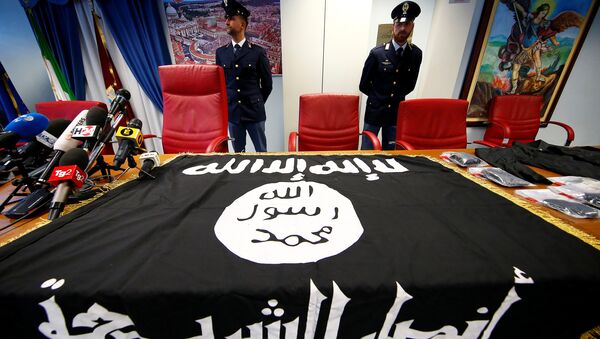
(444, 66)
(327, 52)
(302, 55)
(345, 35)
(449, 47)
(579, 104)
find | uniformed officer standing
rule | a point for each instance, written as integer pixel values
(389, 74)
(248, 78)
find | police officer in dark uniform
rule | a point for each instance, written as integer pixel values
(389, 74)
(248, 78)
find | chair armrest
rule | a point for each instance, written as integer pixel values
(506, 133)
(216, 143)
(150, 136)
(570, 131)
(487, 143)
(404, 145)
(292, 147)
(374, 140)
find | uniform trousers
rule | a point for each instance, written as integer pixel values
(256, 130)
(388, 136)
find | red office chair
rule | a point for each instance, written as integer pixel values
(432, 124)
(65, 109)
(195, 108)
(69, 110)
(328, 122)
(516, 118)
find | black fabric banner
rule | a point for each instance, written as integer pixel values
(299, 247)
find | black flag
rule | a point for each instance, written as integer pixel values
(300, 246)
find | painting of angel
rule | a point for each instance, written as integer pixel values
(528, 48)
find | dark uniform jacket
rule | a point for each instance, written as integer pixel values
(386, 79)
(248, 78)
(578, 161)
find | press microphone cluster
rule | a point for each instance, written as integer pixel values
(68, 167)
(69, 175)
(40, 194)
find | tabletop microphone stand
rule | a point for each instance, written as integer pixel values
(24, 180)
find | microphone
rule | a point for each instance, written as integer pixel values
(88, 133)
(45, 140)
(9, 139)
(149, 160)
(130, 139)
(27, 126)
(67, 176)
(119, 101)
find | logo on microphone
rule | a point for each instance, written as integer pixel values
(25, 117)
(88, 131)
(70, 173)
(46, 139)
(130, 133)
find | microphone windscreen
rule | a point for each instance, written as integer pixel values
(124, 93)
(57, 126)
(96, 116)
(27, 126)
(135, 123)
(9, 139)
(75, 156)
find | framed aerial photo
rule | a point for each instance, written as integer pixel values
(525, 47)
(197, 28)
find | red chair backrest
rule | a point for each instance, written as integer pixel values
(69, 110)
(194, 107)
(65, 109)
(520, 112)
(433, 123)
(328, 122)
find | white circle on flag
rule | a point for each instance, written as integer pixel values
(289, 223)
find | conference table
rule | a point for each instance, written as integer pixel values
(356, 244)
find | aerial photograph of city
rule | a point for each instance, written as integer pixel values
(197, 28)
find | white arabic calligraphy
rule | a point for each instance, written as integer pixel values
(105, 323)
(298, 166)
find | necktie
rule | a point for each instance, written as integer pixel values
(236, 48)
(399, 52)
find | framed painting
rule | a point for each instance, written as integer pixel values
(525, 47)
(197, 28)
